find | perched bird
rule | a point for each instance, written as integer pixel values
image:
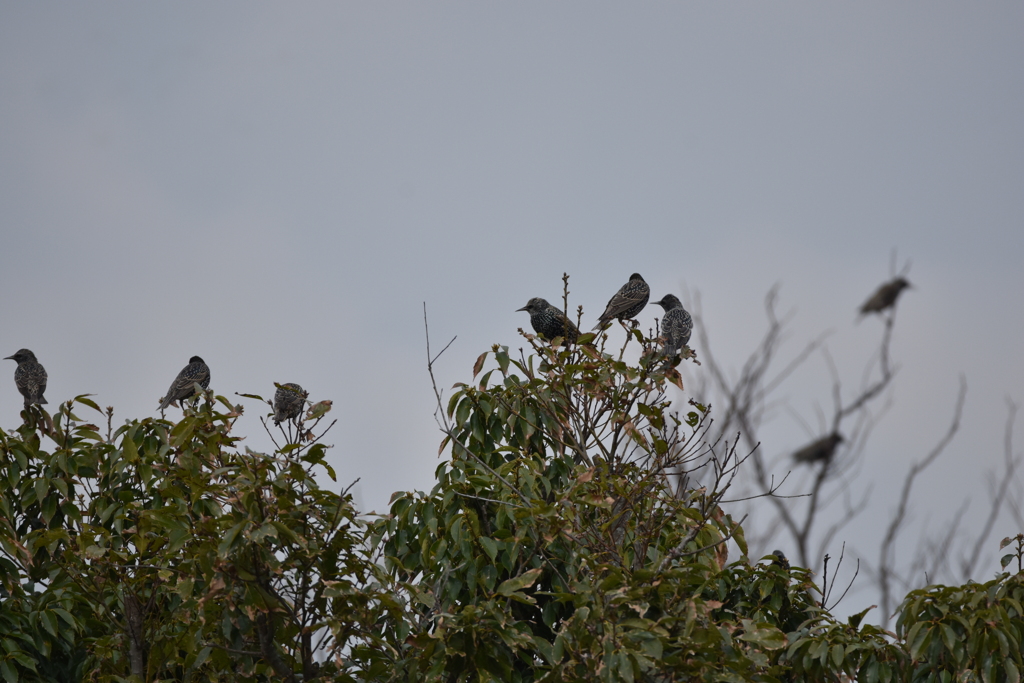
(288, 401)
(550, 322)
(29, 376)
(627, 302)
(183, 386)
(885, 296)
(822, 449)
(676, 326)
(780, 559)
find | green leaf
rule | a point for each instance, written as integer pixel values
(949, 637)
(10, 673)
(920, 643)
(66, 616)
(524, 580)
(740, 538)
(490, 547)
(85, 400)
(856, 619)
(502, 357)
(1012, 673)
(765, 635)
(229, 538)
(49, 622)
(462, 412)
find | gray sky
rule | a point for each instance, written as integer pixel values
(278, 188)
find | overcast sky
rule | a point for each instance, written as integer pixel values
(278, 188)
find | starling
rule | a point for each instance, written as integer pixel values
(780, 559)
(676, 326)
(822, 449)
(30, 377)
(183, 386)
(885, 296)
(288, 401)
(550, 322)
(627, 302)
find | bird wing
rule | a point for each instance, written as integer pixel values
(181, 387)
(629, 296)
(170, 397)
(30, 379)
(676, 327)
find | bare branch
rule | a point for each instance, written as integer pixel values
(998, 496)
(886, 553)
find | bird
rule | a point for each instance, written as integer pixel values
(30, 377)
(550, 322)
(822, 449)
(780, 559)
(288, 401)
(885, 296)
(676, 326)
(183, 386)
(627, 302)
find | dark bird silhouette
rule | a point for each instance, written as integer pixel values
(780, 559)
(183, 386)
(550, 322)
(29, 376)
(885, 296)
(288, 401)
(676, 326)
(627, 302)
(822, 449)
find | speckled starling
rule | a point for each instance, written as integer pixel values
(822, 449)
(780, 559)
(550, 322)
(627, 302)
(676, 326)
(885, 297)
(197, 371)
(29, 376)
(288, 401)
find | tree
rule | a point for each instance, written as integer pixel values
(579, 530)
(827, 473)
(161, 551)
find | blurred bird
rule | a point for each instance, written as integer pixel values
(822, 449)
(884, 297)
(627, 302)
(288, 401)
(780, 559)
(676, 326)
(183, 386)
(29, 376)
(550, 322)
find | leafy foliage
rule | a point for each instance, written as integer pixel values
(164, 552)
(579, 531)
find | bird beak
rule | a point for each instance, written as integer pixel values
(521, 309)
(9, 358)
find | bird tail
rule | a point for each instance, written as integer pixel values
(41, 400)
(600, 324)
(165, 402)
